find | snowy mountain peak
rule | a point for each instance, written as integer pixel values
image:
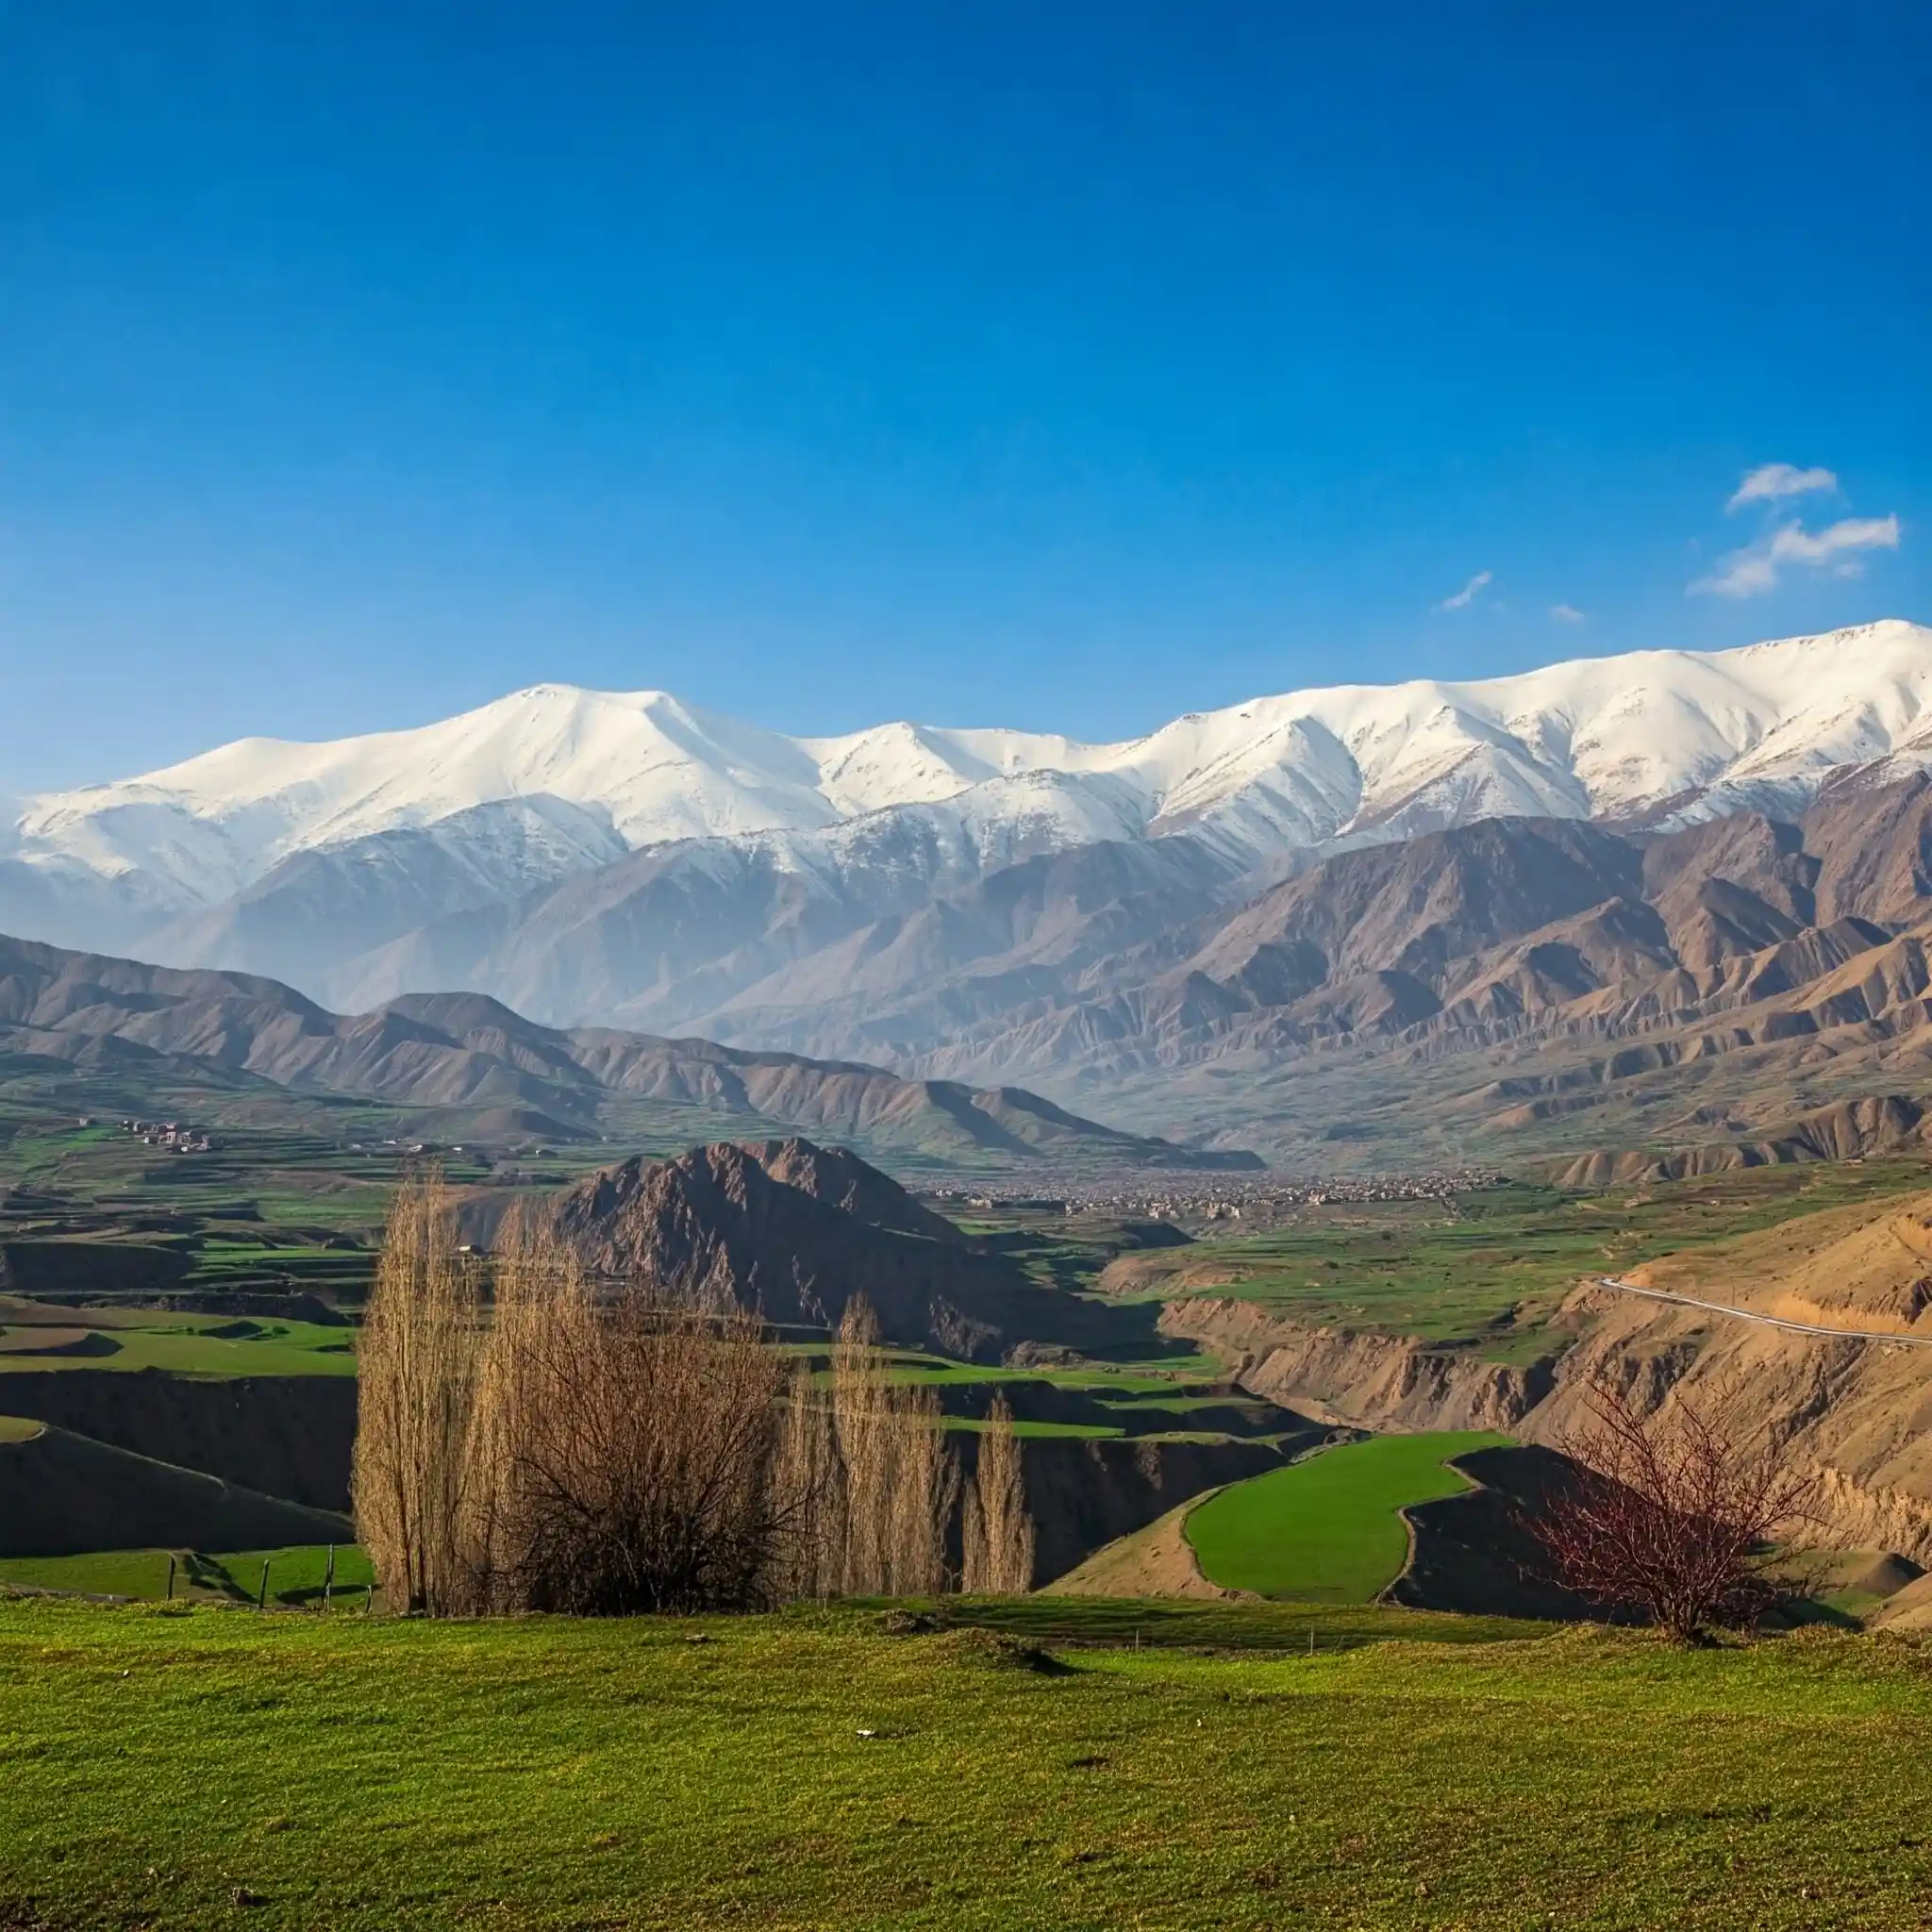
(608, 773)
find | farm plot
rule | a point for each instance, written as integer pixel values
(1328, 1530)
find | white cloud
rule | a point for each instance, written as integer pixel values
(1773, 482)
(1469, 593)
(1751, 572)
(1566, 613)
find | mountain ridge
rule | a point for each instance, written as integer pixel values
(469, 1051)
(1694, 865)
(563, 779)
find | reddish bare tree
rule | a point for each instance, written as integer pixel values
(1670, 1514)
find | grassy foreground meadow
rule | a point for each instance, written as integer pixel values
(209, 1767)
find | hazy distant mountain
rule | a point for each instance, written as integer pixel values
(1504, 925)
(465, 1052)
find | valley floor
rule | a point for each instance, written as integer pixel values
(205, 1767)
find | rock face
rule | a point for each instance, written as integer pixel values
(1084, 1493)
(290, 1436)
(1358, 1380)
(794, 1232)
(66, 1494)
(1849, 1130)
(1472, 1552)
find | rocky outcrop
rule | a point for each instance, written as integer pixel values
(793, 1233)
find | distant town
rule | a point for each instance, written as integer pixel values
(1262, 1198)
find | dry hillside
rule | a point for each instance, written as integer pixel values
(1860, 1408)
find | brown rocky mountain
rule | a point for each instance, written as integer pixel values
(456, 1051)
(794, 1232)
(1509, 990)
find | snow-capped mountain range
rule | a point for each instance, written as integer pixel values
(399, 861)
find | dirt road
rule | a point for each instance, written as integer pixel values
(1687, 1301)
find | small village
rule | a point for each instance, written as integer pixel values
(1263, 1199)
(176, 1137)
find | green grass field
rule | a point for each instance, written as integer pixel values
(210, 1768)
(295, 1573)
(132, 1339)
(1326, 1530)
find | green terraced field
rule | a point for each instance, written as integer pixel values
(130, 1338)
(1326, 1529)
(198, 1768)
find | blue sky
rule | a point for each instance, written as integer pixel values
(1052, 366)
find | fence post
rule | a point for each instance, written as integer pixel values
(170, 1577)
(328, 1577)
(261, 1600)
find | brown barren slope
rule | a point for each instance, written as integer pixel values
(1861, 1411)
(1155, 1561)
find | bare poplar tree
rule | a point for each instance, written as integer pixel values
(862, 1425)
(923, 1488)
(898, 1482)
(998, 1538)
(810, 1481)
(535, 1286)
(417, 1365)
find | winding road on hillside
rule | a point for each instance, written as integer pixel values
(1688, 1301)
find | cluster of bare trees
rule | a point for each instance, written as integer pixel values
(886, 1489)
(539, 1440)
(1674, 1517)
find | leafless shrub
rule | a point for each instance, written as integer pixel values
(1671, 1515)
(631, 1443)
